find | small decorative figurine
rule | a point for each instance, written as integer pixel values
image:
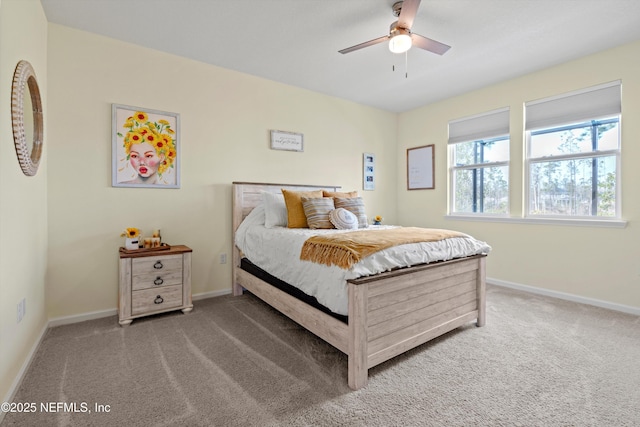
(156, 239)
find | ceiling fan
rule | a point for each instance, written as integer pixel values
(400, 36)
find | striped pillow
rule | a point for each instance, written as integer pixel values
(356, 206)
(317, 211)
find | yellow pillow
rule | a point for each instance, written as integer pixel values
(339, 194)
(295, 211)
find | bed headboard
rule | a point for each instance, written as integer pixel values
(247, 195)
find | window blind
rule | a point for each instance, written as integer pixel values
(481, 126)
(573, 107)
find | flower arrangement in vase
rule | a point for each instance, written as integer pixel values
(377, 220)
(132, 238)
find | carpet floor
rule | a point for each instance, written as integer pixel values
(234, 361)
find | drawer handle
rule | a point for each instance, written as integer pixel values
(158, 300)
(158, 265)
(158, 281)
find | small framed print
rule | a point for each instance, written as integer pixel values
(145, 147)
(369, 171)
(420, 173)
(287, 141)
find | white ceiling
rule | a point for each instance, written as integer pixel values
(297, 41)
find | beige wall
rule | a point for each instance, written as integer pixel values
(225, 121)
(591, 262)
(23, 200)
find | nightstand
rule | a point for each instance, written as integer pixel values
(152, 282)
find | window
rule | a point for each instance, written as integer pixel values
(479, 164)
(573, 155)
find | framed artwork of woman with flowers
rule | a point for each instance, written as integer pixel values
(145, 148)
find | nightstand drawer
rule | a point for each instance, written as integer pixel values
(156, 280)
(156, 264)
(150, 300)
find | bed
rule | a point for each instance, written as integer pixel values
(388, 313)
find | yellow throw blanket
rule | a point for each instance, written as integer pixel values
(347, 249)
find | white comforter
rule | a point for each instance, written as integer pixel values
(277, 251)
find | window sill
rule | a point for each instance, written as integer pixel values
(607, 223)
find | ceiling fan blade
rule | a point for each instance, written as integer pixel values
(429, 44)
(408, 13)
(365, 44)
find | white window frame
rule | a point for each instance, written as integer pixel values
(576, 156)
(454, 168)
(595, 103)
(485, 126)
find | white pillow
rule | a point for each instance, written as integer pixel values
(255, 217)
(342, 219)
(274, 209)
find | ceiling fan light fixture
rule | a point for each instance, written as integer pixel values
(400, 41)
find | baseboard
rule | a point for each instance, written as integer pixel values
(23, 369)
(205, 295)
(566, 296)
(76, 318)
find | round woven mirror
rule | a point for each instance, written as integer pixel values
(26, 118)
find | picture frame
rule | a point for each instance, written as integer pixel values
(145, 147)
(287, 141)
(368, 171)
(420, 168)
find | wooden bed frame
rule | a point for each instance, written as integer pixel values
(389, 313)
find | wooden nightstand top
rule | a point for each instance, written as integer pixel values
(173, 250)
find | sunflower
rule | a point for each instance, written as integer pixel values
(163, 166)
(134, 137)
(131, 233)
(150, 137)
(141, 116)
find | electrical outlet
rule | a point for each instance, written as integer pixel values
(22, 307)
(223, 258)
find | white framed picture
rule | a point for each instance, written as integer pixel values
(420, 172)
(145, 147)
(288, 141)
(368, 171)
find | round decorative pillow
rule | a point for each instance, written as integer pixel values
(343, 219)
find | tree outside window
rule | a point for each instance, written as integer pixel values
(480, 176)
(573, 169)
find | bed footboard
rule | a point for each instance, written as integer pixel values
(394, 312)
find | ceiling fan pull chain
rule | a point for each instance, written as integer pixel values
(406, 65)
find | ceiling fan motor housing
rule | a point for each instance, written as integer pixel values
(395, 30)
(397, 8)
